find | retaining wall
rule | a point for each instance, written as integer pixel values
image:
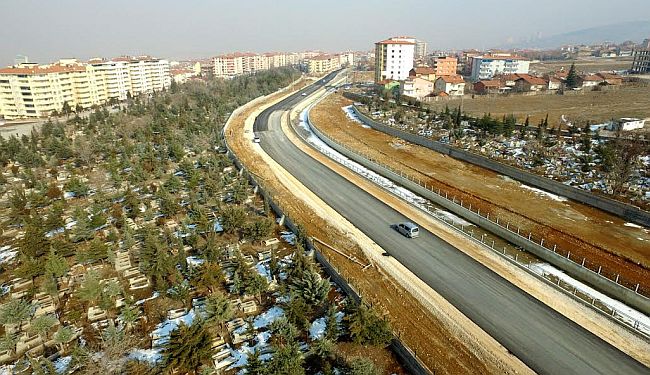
(628, 212)
(620, 292)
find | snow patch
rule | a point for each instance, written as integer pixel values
(317, 329)
(61, 364)
(632, 225)
(152, 356)
(623, 312)
(545, 193)
(268, 317)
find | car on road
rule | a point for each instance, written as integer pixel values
(304, 94)
(256, 140)
(408, 229)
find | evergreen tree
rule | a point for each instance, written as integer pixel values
(15, 311)
(218, 308)
(188, 348)
(361, 366)
(254, 365)
(572, 79)
(311, 287)
(365, 327)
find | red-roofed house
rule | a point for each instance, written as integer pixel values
(526, 83)
(452, 85)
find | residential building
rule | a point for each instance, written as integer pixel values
(554, 83)
(641, 63)
(490, 86)
(610, 78)
(590, 80)
(487, 66)
(322, 64)
(445, 66)
(30, 90)
(416, 87)
(227, 66)
(346, 59)
(420, 49)
(526, 83)
(423, 72)
(451, 85)
(394, 58)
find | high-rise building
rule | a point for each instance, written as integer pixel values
(394, 58)
(32, 90)
(641, 63)
(420, 49)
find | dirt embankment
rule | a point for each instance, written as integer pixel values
(436, 343)
(603, 239)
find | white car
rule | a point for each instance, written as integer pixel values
(304, 94)
(256, 140)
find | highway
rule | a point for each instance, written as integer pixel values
(543, 339)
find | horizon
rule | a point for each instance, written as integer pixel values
(193, 30)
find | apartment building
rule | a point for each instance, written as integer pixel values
(445, 66)
(30, 90)
(641, 63)
(394, 58)
(322, 63)
(420, 49)
(487, 66)
(238, 63)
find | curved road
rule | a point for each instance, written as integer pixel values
(543, 339)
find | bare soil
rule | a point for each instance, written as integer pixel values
(437, 345)
(586, 232)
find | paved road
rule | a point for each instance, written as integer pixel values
(542, 338)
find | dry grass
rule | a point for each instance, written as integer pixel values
(570, 225)
(594, 106)
(585, 65)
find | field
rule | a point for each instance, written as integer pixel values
(593, 106)
(591, 65)
(621, 249)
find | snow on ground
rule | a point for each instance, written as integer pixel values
(146, 355)
(352, 116)
(264, 269)
(7, 370)
(154, 295)
(61, 364)
(632, 225)
(241, 355)
(289, 237)
(623, 311)
(385, 183)
(162, 331)
(194, 261)
(268, 317)
(7, 253)
(449, 216)
(317, 329)
(545, 193)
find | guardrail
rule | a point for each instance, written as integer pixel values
(494, 225)
(628, 212)
(407, 357)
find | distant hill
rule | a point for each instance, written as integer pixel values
(620, 32)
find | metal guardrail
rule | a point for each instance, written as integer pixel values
(618, 316)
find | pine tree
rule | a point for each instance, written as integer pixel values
(311, 287)
(56, 265)
(255, 366)
(572, 77)
(218, 308)
(366, 327)
(188, 348)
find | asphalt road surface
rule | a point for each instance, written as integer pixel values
(543, 339)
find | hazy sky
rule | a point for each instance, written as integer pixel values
(48, 29)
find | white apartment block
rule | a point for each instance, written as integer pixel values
(487, 66)
(235, 64)
(420, 49)
(32, 90)
(394, 58)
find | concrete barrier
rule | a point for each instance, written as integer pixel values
(628, 212)
(607, 286)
